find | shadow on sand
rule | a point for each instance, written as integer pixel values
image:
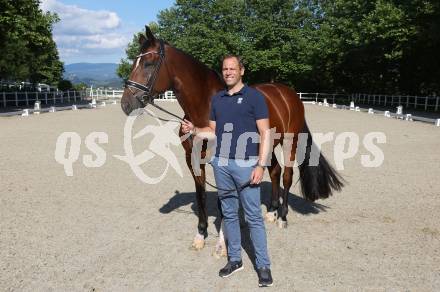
(296, 203)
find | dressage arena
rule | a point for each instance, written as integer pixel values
(102, 229)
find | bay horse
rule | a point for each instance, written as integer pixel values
(160, 67)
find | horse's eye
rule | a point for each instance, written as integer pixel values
(147, 64)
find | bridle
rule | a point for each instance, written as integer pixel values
(147, 89)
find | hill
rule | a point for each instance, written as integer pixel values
(96, 74)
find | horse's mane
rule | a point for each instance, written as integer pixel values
(147, 43)
(200, 64)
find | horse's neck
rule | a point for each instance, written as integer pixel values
(194, 85)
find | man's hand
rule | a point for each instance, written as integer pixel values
(257, 175)
(187, 126)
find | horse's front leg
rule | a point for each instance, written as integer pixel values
(220, 247)
(202, 227)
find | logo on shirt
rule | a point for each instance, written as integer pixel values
(239, 100)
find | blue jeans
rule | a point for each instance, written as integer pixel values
(233, 175)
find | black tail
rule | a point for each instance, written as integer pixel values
(318, 179)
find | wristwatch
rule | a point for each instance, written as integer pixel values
(260, 165)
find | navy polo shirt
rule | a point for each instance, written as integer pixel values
(236, 128)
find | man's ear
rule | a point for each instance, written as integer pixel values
(242, 71)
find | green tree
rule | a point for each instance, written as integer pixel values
(28, 49)
(64, 85)
(383, 46)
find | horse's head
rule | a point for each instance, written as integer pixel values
(149, 74)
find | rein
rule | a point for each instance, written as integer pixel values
(239, 189)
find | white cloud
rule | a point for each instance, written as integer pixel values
(83, 32)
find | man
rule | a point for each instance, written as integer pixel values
(237, 114)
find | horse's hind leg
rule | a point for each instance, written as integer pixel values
(284, 209)
(287, 182)
(275, 176)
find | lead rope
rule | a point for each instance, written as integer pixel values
(179, 119)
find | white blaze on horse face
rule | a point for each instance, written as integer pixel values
(60, 150)
(319, 139)
(137, 62)
(101, 155)
(378, 156)
(339, 154)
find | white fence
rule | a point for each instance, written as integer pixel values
(115, 94)
(15, 99)
(431, 103)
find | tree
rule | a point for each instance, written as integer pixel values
(28, 49)
(383, 46)
(64, 85)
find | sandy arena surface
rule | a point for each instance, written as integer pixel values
(104, 230)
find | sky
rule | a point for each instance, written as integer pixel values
(98, 31)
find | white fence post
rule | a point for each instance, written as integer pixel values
(436, 103)
(4, 99)
(316, 98)
(68, 96)
(16, 99)
(54, 97)
(426, 103)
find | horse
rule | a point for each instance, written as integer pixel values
(160, 67)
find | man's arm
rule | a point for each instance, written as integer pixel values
(204, 132)
(264, 151)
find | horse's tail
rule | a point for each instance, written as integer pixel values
(318, 177)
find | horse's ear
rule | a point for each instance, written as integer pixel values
(142, 40)
(149, 34)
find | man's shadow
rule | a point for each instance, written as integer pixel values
(297, 203)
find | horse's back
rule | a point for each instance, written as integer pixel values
(286, 110)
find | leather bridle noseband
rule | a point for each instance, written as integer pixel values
(147, 90)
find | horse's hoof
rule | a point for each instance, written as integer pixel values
(198, 242)
(282, 224)
(271, 217)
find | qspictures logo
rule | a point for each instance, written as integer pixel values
(68, 146)
(163, 137)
